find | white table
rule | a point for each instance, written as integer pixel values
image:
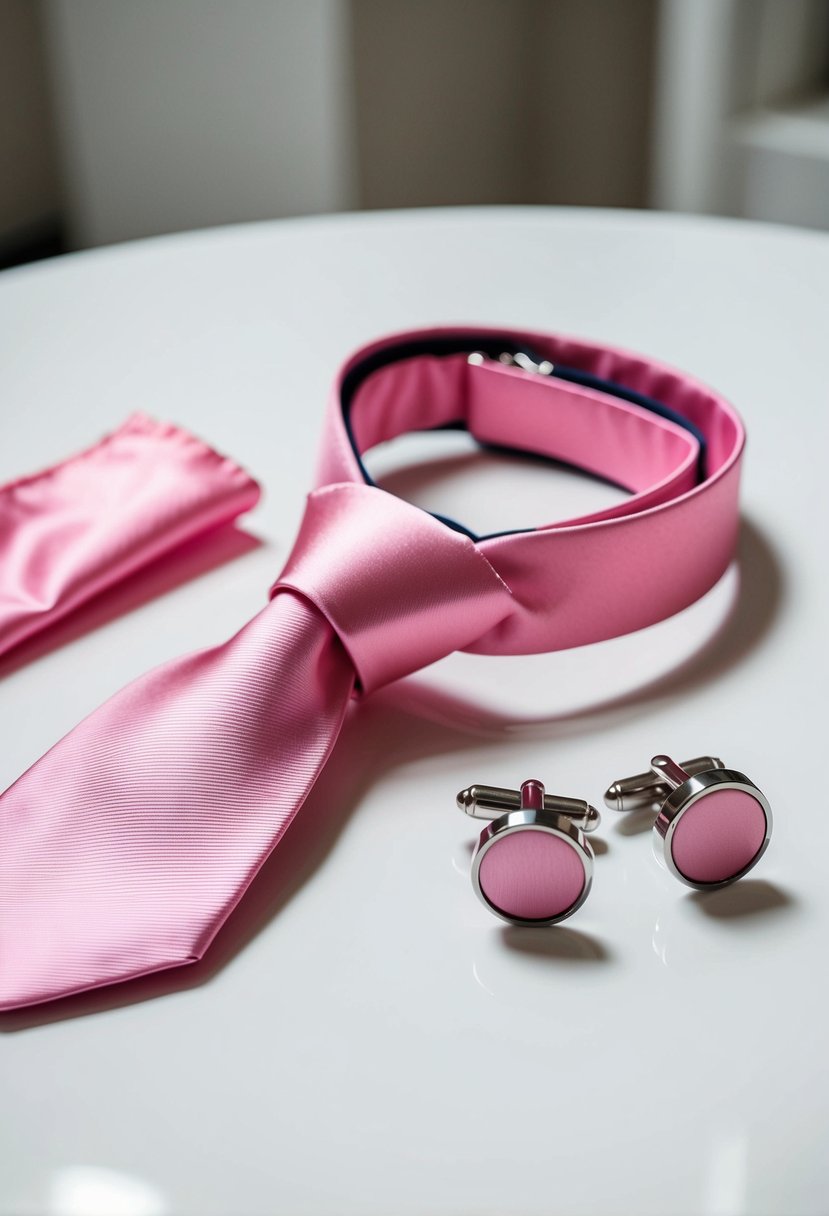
(365, 1038)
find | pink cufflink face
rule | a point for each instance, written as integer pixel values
(530, 871)
(713, 824)
(532, 865)
(714, 828)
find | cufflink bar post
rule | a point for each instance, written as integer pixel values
(650, 789)
(490, 801)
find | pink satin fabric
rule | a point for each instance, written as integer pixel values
(127, 845)
(84, 525)
(124, 849)
(606, 574)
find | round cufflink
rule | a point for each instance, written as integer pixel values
(713, 824)
(532, 865)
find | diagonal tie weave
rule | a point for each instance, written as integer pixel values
(125, 848)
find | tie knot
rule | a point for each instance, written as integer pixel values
(399, 588)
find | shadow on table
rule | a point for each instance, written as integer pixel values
(560, 945)
(400, 725)
(750, 898)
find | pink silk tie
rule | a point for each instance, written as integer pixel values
(126, 847)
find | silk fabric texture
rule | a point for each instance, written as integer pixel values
(126, 847)
(87, 524)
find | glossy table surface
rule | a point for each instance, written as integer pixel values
(364, 1038)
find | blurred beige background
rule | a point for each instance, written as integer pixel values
(129, 118)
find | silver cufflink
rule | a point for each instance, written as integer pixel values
(532, 865)
(712, 824)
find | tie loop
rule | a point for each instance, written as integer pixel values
(399, 588)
